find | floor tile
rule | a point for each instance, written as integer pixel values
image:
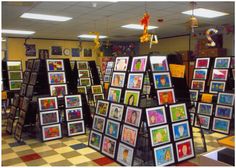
(9, 156)
(30, 157)
(16, 144)
(58, 145)
(62, 163)
(42, 149)
(54, 158)
(78, 160)
(72, 142)
(5, 151)
(94, 155)
(90, 163)
(37, 162)
(47, 153)
(26, 152)
(64, 149)
(103, 161)
(38, 144)
(10, 162)
(22, 164)
(71, 154)
(78, 146)
(85, 151)
(21, 148)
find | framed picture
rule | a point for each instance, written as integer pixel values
(82, 89)
(166, 96)
(198, 85)
(56, 50)
(25, 104)
(200, 74)
(193, 108)
(49, 117)
(162, 80)
(135, 81)
(217, 86)
(107, 78)
(139, 64)
(33, 78)
(83, 73)
(205, 108)
(129, 135)
(30, 90)
(133, 116)
(156, 116)
(118, 79)
(192, 115)
(15, 84)
(202, 121)
(125, 155)
(43, 54)
(108, 71)
(221, 125)
(58, 90)
(13, 111)
(98, 97)
(146, 89)
(15, 75)
(226, 99)
(75, 52)
(109, 146)
(222, 62)
(202, 63)
(98, 123)
(219, 74)
(181, 130)
(95, 140)
(73, 101)
(56, 77)
(88, 52)
(110, 64)
(116, 111)
(21, 120)
(29, 64)
(18, 132)
(121, 63)
(132, 97)
(193, 95)
(26, 77)
(114, 94)
(159, 63)
(82, 65)
(55, 65)
(184, 150)
(74, 114)
(36, 65)
(47, 103)
(14, 66)
(16, 100)
(164, 155)
(96, 89)
(178, 112)
(102, 107)
(160, 135)
(85, 81)
(9, 125)
(223, 111)
(75, 128)
(23, 89)
(51, 132)
(30, 50)
(112, 128)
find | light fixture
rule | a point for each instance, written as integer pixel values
(45, 17)
(3, 39)
(23, 32)
(138, 27)
(201, 12)
(90, 36)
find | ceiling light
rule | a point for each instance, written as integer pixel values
(138, 27)
(45, 17)
(90, 36)
(7, 31)
(3, 39)
(201, 12)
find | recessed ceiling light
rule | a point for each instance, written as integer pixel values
(90, 36)
(201, 12)
(7, 31)
(138, 27)
(45, 17)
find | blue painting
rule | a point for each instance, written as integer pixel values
(181, 130)
(193, 96)
(221, 125)
(112, 129)
(75, 52)
(226, 99)
(217, 86)
(224, 112)
(164, 155)
(162, 81)
(205, 109)
(222, 63)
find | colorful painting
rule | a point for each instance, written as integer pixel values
(160, 135)
(14, 75)
(56, 77)
(82, 89)
(83, 73)
(135, 81)
(193, 95)
(139, 64)
(162, 80)
(73, 101)
(14, 65)
(47, 103)
(198, 85)
(15, 84)
(217, 86)
(75, 52)
(181, 130)
(178, 112)
(225, 99)
(222, 62)
(96, 89)
(107, 78)
(184, 149)
(51, 132)
(131, 97)
(55, 65)
(109, 146)
(164, 155)
(221, 125)
(56, 50)
(114, 94)
(116, 111)
(133, 116)
(49, 117)
(192, 115)
(202, 62)
(125, 155)
(98, 123)
(102, 107)
(118, 79)
(129, 135)
(121, 63)
(159, 63)
(203, 121)
(74, 114)
(97, 97)
(219, 74)
(200, 74)
(112, 128)
(205, 108)
(75, 128)
(108, 71)
(58, 90)
(156, 116)
(224, 111)
(85, 81)
(95, 140)
(82, 65)
(166, 96)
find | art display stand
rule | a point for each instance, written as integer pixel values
(107, 75)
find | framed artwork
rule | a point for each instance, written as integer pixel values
(133, 116)
(16, 100)
(110, 64)
(83, 73)
(30, 50)
(217, 86)
(49, 117)
(98, 97)
(112, 128)
(9, 125)
(15, 84)
(15, 75)
(233, 73)
(56, 50)
(56, 77)
(146, 89)
(178, 112)
(181, 130)
(109, 146)
(55, 65)
(43, 54)
(135, 81)
(160, 135)
(164, 155)
(96, 89)
(47, 103)
(156, 116)
(21, 120)
(162, 80)
(219, 74)
(73, 101)
(193, 108)
(13, 111)
(98, 123)
(221, 125)
(114, 94)
(74, 114)
(232, 62)
(26, 77)
(51, 132)
(116, 111)
(82, 89)
(29, 64)
(14, 66)
(25, 104)
(192, 115)
(223, 111)
(121, 63)
(75, 128)
(58, 90)
(102, 108)
(129, 135)
(108, 71)
(193, 95)
(226, 99)
(205, 108)
(75, 52)
(36, 65)
(202, 63)
(203, 121)
(81, 65)
(159, 63)
(125, 155)
(184, 150)
(200, 74)
(30, 90)
(139, 64)
(132, 97)
(222, 62)
(88, 52)
(198, 85)
(23, 89)
(33, 78)
(107, 78)
(85, 81)
(95, 140)
(118, 79)
(18, 132)
(166, 96)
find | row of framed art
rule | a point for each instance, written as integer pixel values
(14, 72)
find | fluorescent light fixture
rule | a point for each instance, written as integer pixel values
(201, 12)
(138, 27)
(45, 17)
(90, 36)
(23, 32)
(3, 39)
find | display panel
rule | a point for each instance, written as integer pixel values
(139, 64)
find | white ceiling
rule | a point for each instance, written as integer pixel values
(87, 18)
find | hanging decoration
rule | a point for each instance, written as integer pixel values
(96, 40)
(193, 20)
(153, 40)
(209, 32)
(145, 22)
(79, 44)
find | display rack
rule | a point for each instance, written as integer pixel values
(97, 93)
(108, 72)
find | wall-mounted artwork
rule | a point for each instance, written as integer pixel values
(88, 52)
(75, 52)
(43, 54)
(30, 50)
(56, 50)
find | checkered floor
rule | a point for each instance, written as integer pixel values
(73, 151)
